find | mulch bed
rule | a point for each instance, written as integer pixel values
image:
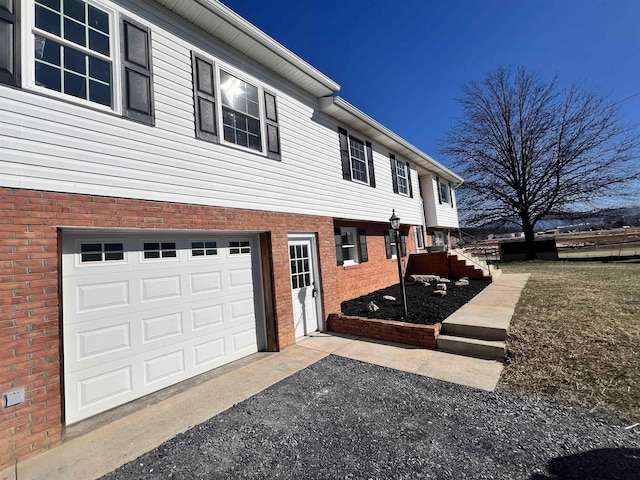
(423, 307)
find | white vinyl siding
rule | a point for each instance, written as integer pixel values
(438, 214)
(55, 145)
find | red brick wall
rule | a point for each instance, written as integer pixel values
(29, 289)
(379, 272)
(442, 264)
(388, 330)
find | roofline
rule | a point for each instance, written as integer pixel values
(419, 157)
(246, 27)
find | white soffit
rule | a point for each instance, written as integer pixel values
(349, 115)
(230, 28)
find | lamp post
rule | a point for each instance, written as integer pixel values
(395, 224)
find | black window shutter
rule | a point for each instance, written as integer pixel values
(438, 187)
(409, 180)
(137, 74)
(344, 154)
(273, 130)
(403, 244)
(338, 239)
(394, 172)
(387, 242)
(204, 98)
(364, 252)
(450, 196)
(372, 175)
(9, 43)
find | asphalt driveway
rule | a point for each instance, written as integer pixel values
(340, 418)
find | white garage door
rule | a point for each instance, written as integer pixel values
(145, 311)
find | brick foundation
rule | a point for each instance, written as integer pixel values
(30, 284)
(388, 330)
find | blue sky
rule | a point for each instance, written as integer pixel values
(404, 62)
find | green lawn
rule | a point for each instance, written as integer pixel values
(575, 335)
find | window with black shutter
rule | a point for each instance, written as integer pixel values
(273, 131)
(9, 43)
(364, 252)
(337, 237)
(204, 94)
(137, 75)
(356, 156)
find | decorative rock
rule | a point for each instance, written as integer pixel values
(372, 307)
(441, 287)
(389, 297)
(424, 278)
(440, 293)
(462, 283)
(444, 280)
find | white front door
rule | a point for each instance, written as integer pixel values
(304, 284)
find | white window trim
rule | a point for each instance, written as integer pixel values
(419, 235)
(356, 254)
(161, 258)
(199, 258)
(218, 66)
(405, 177)
(78, 254)
(351, 159)
(444, 195)
(28, 57)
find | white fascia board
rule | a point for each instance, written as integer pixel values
(343, 111)
(244, 37)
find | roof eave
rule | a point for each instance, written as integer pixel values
(340, 109)
(244, 37)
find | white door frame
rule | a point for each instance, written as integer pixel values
(312, 237)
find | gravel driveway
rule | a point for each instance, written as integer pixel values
(341, 418)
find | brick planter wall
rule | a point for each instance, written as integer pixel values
(30, 285)
(388, 330)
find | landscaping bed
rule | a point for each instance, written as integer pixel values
(423, 306)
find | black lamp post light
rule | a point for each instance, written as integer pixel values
(395, 224)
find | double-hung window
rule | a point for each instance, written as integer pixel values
(81, 51)
(245, 111)
(391, 246)
(444, 191)
(73, 49)
(357, 159)
(351, 246)
(400, 176)
(403, 185)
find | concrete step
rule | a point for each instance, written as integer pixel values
(473, 347)
(470, 330)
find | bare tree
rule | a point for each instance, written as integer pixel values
(529, 150)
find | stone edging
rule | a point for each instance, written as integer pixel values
(388, 330)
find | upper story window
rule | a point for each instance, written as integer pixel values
(240, 112)
(400, 176)
(247, 113)
(357, 159)
(82, 51)
(72, 49)
(403, 185)
(444, 192)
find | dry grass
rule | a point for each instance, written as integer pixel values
(575, 335)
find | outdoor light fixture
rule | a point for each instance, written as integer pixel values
(395, 224)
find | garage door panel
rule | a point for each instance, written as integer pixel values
(137, 326)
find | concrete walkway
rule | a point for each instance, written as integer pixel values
(137, 428)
